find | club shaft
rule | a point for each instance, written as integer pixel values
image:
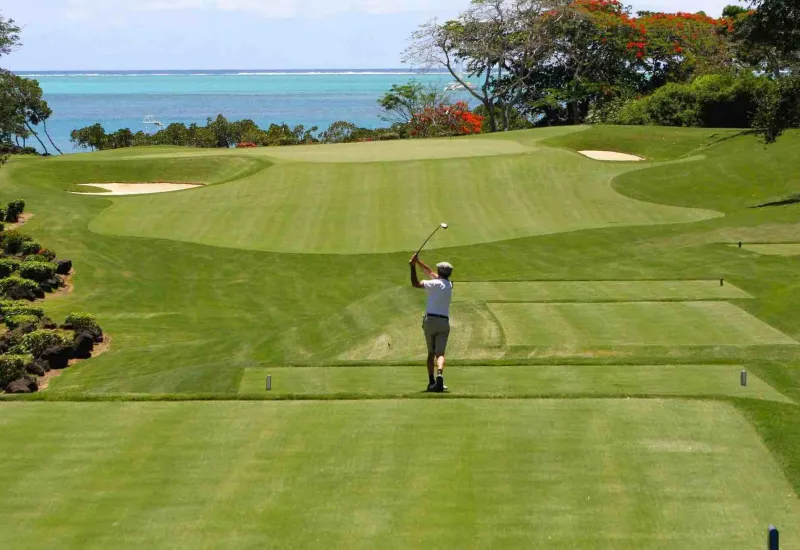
(426, 240)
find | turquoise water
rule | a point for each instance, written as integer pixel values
(123, 99)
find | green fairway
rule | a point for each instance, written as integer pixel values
(393, 474)
(350, 208)
(399, 150)
(782, 249)
(633, 323)
(599, 291)
(516, 381)
(577, 282)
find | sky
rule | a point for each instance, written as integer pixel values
(234, 34)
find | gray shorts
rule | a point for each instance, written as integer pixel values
(437, 331)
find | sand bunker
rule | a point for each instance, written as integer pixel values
(119, 189)
(610, 155)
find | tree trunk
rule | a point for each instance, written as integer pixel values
(46, 152)
(44, 125)
(490, 115)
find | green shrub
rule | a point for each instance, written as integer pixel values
(36, 342)
(44, 255)
(713, 101)
(11, 284)
(83, 322)
(14, 209)
(30, 247)
(37, 271)
(8, 266)
(20, 308)
(12, 241)
(36, 258)
(14, 321)
(12, 367)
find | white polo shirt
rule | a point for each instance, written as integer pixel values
(440, 293)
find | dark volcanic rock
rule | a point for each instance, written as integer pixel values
(26, 384)
(19, 293)
(57, 357)
(37, 367)
(64, 267)
(83, 345)
(51, 284)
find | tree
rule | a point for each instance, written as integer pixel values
(93, 137)
(499, 42)
(9, 39)
(9, 36)
(779, 109)
(445, 120)
(339, 132)
(403, 101)
(772, 32)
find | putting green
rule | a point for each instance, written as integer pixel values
(516, 381)
(353, 208)
(623, 474)
(777, 249)
(388, 151)
(634, 323)
(588, 291)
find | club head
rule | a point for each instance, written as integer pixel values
(444, 226)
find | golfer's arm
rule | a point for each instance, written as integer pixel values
(428, 271)
(414, 278)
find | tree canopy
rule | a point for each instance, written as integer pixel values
(22, 107)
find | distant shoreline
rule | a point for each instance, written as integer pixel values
(230, 72)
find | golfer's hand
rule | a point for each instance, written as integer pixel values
(413, 260)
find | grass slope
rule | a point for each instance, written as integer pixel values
(385, 207)
(591, 474)
(595, 291)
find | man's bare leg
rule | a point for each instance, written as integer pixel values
(440, 373)
(431, 368)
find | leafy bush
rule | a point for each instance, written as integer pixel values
(20, 308)
(37, 271)
(48, 254)
(11, 286)
(713, 101)
(30, 247)
(8, 266)
(14, 321)
(38, 341)
(12, 367)
(83, 322)
(36, 258)
(12, 241)
(13, 210)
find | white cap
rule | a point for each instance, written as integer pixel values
(445, 268)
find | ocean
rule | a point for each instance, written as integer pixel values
(122, 99)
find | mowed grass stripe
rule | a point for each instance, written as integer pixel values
(627, 474)
(777, 249)
(387, 207)
(511, 381)
(633, 323)
(586, 291)
(393, 151)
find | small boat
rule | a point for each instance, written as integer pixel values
(150, 119)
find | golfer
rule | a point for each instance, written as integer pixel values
(436, 323)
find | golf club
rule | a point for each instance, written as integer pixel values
(441, 226)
